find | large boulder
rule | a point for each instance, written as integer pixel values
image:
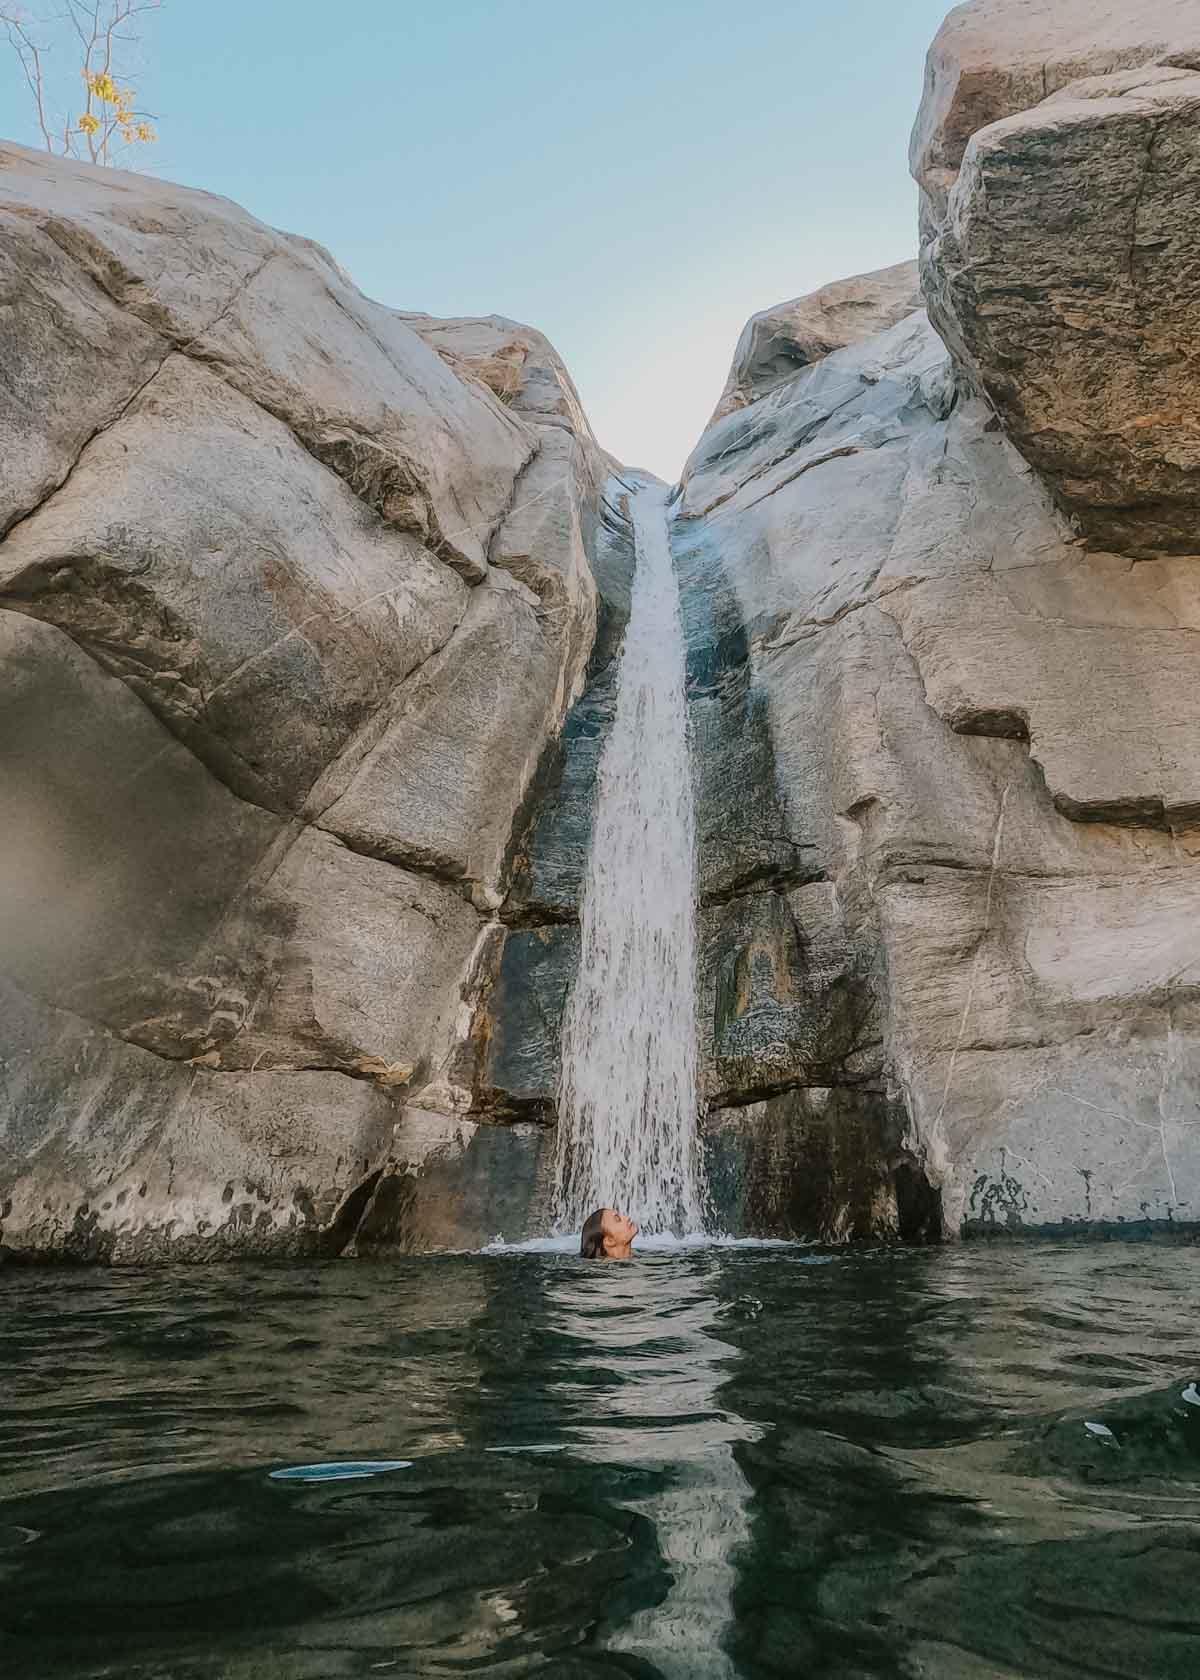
(236, 585)
(292, 607)
(778, 342)
(993, 58)
(435, 788)
(981, 740)
(280, 321)
(1059, 155)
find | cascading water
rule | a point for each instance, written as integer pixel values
(628, 1099)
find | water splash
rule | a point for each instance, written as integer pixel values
(666, 1243)
(628, 1100)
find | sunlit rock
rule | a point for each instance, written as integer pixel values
(778, 342)
(1060, 157)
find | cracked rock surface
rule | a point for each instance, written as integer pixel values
(778, 342)
(979, 715)
(1059, 154)
(292, 603)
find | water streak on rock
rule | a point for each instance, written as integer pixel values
(628, 1090)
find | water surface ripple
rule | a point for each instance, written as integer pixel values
(706, 1463)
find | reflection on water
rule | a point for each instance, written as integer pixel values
(977, 1464)
(650, 1326)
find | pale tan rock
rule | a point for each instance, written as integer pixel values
(1064, 278)
(437, 775)
(1005, 654)
(72, 361)
(778, 342)
(991, 58)
(122, 854)
(138, 892)
(346, 962)
(246, 577)
(1057, 152)
(278, 318)
(551, 526)
(516, 362)
(110, 1153)
(439, 786)
(232, 581)
(913, 607)
(545, 541)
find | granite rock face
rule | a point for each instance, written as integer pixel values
(293, 602)
(280, 322)
(983, 737)
(1059, 156)
(778, 342)
(993, 58)
(958, 597)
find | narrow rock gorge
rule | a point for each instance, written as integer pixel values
(309, 613)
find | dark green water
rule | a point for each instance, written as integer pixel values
(711, 1463)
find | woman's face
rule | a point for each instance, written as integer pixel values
(617, 1229)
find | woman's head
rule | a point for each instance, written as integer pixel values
(607, 1235)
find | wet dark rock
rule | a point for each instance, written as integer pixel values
(519, 1022)
(464, 1185)
(553, 830)
(551, 854)
(800, 1139)
(785, 997)
(742, 832)
(525, 1010)
(817, 1164)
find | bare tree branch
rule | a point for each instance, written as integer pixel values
(100, 38)
(30, 56)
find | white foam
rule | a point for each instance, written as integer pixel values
(649, 1243)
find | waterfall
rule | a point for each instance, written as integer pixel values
(628, 1099)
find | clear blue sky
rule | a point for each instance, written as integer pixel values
(633, 178)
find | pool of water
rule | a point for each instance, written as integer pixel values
(980, 1462)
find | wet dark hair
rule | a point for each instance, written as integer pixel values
(591, 1238)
